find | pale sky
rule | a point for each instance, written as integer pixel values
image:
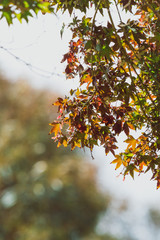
(39, 44)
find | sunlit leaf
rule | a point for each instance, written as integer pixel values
(118, 160)
(131, 142)
(56, 128)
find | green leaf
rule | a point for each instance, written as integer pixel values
(8, 16)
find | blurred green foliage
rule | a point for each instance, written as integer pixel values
(102, 237)
(23, 9)
(45, 194)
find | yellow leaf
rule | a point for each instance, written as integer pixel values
(77, 92)
(131, 36)
(130, 126)
(58, 145)
(131, 142)
(57, 103)
(66, 120)
(118, 165)
(77, 144)
(125, 163)
(86, 136)
(117, 160)
(136, 170)
(55, 129)
(65, 143)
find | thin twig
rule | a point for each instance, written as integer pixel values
(32, 67)
(118, 11)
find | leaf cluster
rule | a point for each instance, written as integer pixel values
(118, 67)
(22, 9)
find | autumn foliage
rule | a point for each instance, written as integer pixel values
(117, 63)
(118, 66)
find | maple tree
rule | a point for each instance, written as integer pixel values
(118, 67)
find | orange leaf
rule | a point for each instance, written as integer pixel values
(65, 143)
(55, 129)
(141, 165)
(86, 79)
(130, 125)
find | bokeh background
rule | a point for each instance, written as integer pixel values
(55, 194)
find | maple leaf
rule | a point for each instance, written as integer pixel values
(126, 128)
(131, 142)
(118, 160)
(141, 165)
(65, 57)
(77, 92)
(56, 128)
(130, 126)
(59, 102)
(65, 143)
(118, 127)
(86, 79)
